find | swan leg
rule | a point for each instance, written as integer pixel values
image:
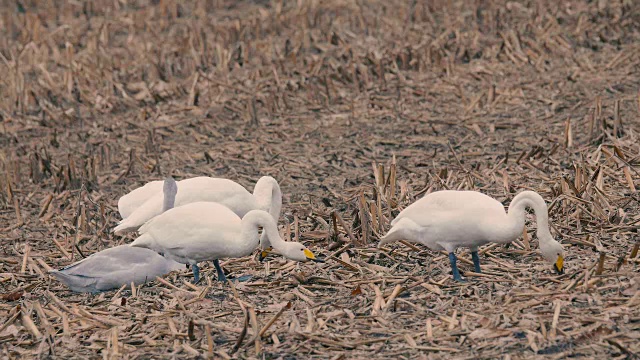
(196, 273)
(476, 261)
(454, 267)
(221, 276)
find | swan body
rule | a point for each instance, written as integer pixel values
(266, 196)
(446, 220)
(111, 268)
(202, 231)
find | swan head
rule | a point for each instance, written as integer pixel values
(264, 253)
(170, 189)
(298, 252)
(553, 252)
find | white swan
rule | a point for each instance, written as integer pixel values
(446, 220)
(266, 196)
(204, 231)
(120, 265)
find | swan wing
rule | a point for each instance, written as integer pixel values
(223, 191)
(451, 203)
(196, 232)
(419, 209)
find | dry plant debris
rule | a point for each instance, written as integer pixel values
(357, 108)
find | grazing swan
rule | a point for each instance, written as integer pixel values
(266, 196)
(446, 220)
(204, 231)
(120, 265)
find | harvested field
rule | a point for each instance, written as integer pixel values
(357, 108)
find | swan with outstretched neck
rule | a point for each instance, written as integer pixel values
(203, 231)
(121, 265)
(145, 203)
(446, 220)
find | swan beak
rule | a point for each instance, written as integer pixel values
(559, 265)
(264, 253)
(310, 256)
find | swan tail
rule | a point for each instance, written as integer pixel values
(392, 235)
(404, 229)
(125, 227)
(144, 241)
(77, 283)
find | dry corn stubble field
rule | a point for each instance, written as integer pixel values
(357, 108)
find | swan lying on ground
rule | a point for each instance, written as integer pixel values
(204, 231)
(111, 268)
(446, 220)
(120, 265)
(266, 196)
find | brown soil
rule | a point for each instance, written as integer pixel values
(357, 108)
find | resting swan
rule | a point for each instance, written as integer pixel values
(266, 196)
(111, 268)
(202, 231)
(117, 266)
(446, 220)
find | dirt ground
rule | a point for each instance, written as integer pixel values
(357, 108)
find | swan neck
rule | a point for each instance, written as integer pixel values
(249, 230)
(169, 200)
(530, 199)
(268, 196)
(256, 218)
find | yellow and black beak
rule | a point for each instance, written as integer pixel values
(310, 256)
(559, 265)
(264, 253)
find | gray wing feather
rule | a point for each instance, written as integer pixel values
(114, 267)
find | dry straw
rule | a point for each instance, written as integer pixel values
(358, 109)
